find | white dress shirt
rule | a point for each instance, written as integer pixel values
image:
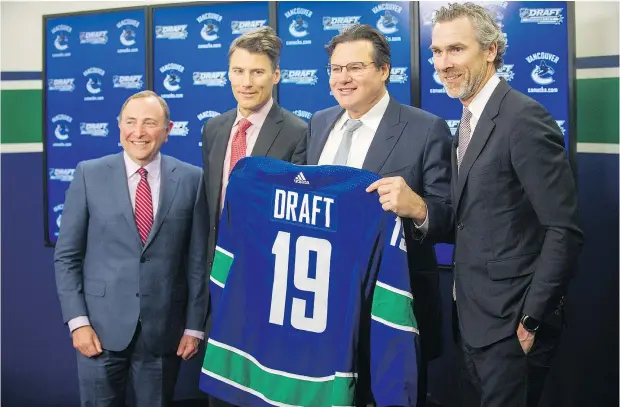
(133, 178)
(251, 135)
(361, 140)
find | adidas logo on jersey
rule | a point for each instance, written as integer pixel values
(301, 179)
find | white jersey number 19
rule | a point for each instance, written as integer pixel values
(319, 285)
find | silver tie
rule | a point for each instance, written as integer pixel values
(342, 155)
(464, 135)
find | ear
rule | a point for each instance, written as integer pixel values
(168, 129)
(385, 72)
(492, 52)
(276, 76)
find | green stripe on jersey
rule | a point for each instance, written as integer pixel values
(240, 368)
(221, 265)
(394, 306)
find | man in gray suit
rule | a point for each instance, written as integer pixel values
(130, 263)
(515, 203)
(409, 147)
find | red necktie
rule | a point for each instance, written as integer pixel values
(144, 206)
(239, 144)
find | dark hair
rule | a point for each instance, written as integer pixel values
(381, 54)
(260, 41)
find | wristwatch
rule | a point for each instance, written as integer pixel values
(530, 324)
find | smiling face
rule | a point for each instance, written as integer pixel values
(143, 129)
(461, 63)
(359, 91)
(252, 79)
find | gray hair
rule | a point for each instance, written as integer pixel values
(487, 30)
(147, 94)
(263, 40)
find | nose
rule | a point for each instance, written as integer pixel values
(246, 80)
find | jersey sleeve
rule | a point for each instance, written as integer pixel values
(223, 258)
(393, 326)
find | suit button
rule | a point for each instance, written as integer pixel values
(137, 294)
(460, 226)
(142, 259)
(213, 228)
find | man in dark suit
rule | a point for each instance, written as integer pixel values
(130, 261)
(257, 126)
(410, 147)
(517, 233)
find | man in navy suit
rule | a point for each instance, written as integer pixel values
(130, 263)
(516, 217)
(409, 147)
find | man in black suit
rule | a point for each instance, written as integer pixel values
(257, 126)
(517, 233)
(406, 145)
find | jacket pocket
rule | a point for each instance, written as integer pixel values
(512, 267)
(94, 287)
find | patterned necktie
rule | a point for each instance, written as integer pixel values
(239, 145)
(342, 155)
(144, 206)
(464, 135)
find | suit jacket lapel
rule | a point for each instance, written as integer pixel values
(217, 156)
(169, 181)
(269, 131)
(316, 148)
(120, 194)
(389, 131)
(480, 137)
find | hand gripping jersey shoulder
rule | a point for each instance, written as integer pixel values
(310, 292)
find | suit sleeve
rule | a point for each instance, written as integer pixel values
(393, 327)
(71, 247)
(300, 154)
(197, 262)
(539, 160)
(437, 175)
(223, 258)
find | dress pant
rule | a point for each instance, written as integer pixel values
(502, 375)
(134, 375)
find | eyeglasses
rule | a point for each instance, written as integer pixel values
(353, 68)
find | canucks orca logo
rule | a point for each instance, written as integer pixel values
(93, 85)
(387, 23)
(298, 27)
(61, 131)
(436, 78)
(128, 37)
(172, 82)
(209, 31)
(61, 42)
(58, 209)
(542, 73)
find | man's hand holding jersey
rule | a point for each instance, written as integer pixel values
(396, 196)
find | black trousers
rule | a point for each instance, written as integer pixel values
(502, 375)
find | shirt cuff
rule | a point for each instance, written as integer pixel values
(195, 334)
(424, 226)
(78, 322)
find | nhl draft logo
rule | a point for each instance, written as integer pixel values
(543, 71)
(94, 37)
(299, 76)
(61, 174)
(398, 75)
(506, 72)
(179, 128)
(58, 210)
(61, 42)
(453, 125)
(94, 83)
(339, 23)
(210, 29)
(541, 15)
(388, 20)
(61, 125)
(561, 126)
(304, 114)
(172, 80)
(171, 32)
(242, 27)
(94, 129)
(61, 85)
(210, 79)
(127, 81)
(299, 24)
(128, 35)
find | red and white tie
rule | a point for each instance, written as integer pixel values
(144, 206)
(239, 145)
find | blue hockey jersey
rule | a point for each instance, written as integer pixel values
(310, 292)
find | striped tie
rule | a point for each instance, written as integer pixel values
(464, 135)
(144, 206)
